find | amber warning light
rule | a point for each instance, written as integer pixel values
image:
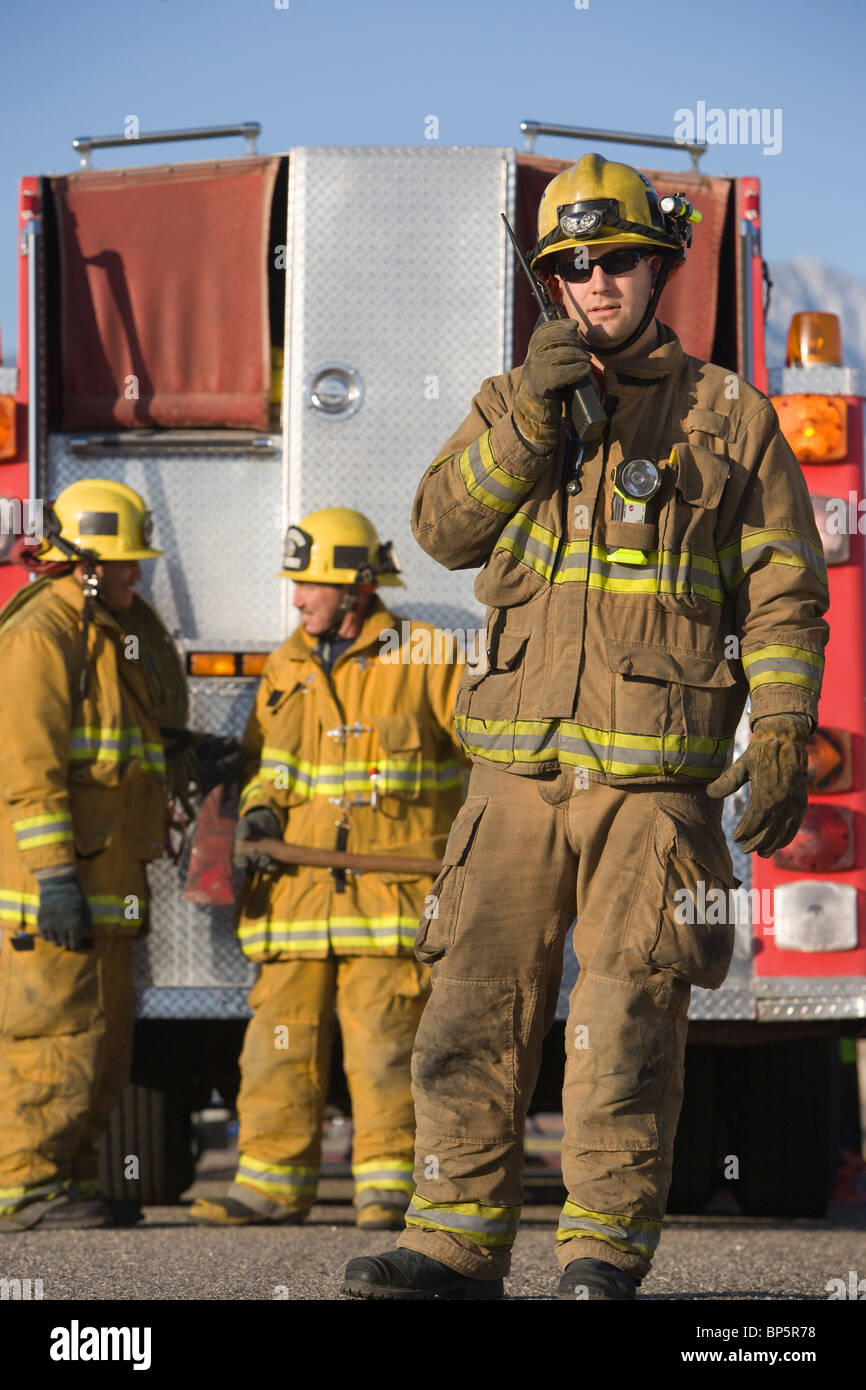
(814, 340)
(226, 663)
(816, 427)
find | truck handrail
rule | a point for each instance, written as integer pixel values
(665, 142)
(86, 144)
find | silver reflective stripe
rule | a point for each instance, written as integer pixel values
(637, 1235)
(382, 1175)
(462, 1221)
(53, 828)
(273, 937)
(508, 488)
(302, 1180)
(786, 663)
(381, 1196)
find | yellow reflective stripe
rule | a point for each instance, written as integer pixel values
(290, 1179)
(11, 1198)
(387, 1174)
(599, 750)
(387, 932)
(105, 908)
(631, 1234)
(668, 572)
(487, 481)
(33, 832)
(778, 547)
(50, 818)
(90, 743)
(18, 907)
(783, 665)
(330, 779)
(532, 544)
(490, 1226)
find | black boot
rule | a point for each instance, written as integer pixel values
(600, 1280)
(407, 1274)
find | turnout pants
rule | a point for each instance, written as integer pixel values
(285, 1064)
(66, 1021)
(637, 864)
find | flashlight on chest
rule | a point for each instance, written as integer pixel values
(635, 483)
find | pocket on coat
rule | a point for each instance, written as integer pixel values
(495, 694)
(399, 736)
(696, 926)
(49, 991)
(438, 925)
(690, 576)
(668, 694)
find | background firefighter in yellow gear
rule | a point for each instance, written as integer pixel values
(349, 751)
(82, 811)
(615, 570)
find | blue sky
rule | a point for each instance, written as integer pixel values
(324, 72)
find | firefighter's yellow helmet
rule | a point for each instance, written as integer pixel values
(338, 546)
(597, 200)
(104, 517)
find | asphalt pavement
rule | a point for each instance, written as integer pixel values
(717, 1257)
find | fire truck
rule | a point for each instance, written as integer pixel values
(245, 339)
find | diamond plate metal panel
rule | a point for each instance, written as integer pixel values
(799, 986)
(821, 381)
(774, 1010)
(218, 519)
(192, 1003)
(428, 280)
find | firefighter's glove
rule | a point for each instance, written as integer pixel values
(259, 824)
(220, 762)
(775, 763)
(63, 916)
(555, 361)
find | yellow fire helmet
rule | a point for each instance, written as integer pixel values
(104, 517)
(338, 546)
(597, 200)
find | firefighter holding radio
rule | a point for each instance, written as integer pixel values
(630, 519)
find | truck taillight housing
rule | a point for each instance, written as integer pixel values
(8, 448)
(824, 844)
(814, 915)
(830, 760)
(835, 540)
(816, 427)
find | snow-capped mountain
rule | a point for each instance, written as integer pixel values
(809, 284)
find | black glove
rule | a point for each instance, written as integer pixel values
(776, 764)
(63, 916)
(220, 762)
(555, 361)
(259, 824)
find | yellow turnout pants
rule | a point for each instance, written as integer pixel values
(284, 1076)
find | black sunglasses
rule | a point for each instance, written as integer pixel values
(613, 263)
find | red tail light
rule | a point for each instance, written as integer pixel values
(824, 843)
(830, 760)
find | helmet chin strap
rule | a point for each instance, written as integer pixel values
(652, 304)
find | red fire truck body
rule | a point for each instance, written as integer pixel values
(230, 445)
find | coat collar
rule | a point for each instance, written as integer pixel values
(665, 359)
(70, 592)
(300, 646)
